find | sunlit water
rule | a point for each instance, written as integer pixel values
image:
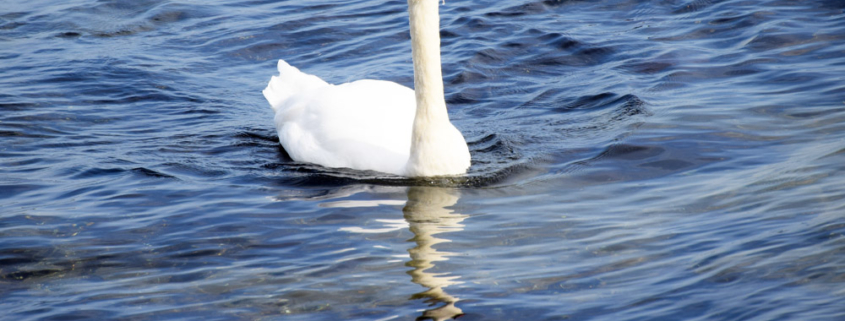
(633, 160)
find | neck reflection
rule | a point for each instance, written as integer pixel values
(427, 216)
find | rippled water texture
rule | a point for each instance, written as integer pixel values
(633, 160)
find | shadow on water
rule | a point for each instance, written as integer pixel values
(494, 163)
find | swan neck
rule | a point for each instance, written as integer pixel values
(425, 43)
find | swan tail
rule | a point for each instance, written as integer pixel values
(288, 84)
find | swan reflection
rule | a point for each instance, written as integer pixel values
(426, 215)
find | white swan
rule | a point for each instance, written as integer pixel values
(373, 124)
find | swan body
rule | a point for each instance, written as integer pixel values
(373, 124)
(364, 125)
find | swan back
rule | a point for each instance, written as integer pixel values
(364, 125)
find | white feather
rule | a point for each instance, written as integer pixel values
(373, 124)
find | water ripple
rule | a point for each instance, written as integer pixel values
(631, 161)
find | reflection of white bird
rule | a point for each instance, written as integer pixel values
(427, 216)
(372, 124)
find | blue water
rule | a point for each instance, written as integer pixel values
(632, 160)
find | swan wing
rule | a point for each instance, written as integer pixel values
(364, 125)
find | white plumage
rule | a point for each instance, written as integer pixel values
(363, 125)
(373, 124)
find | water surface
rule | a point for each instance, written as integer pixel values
(632, 160)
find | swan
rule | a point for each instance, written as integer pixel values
(374, 124)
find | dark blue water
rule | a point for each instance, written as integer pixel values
(632, 160)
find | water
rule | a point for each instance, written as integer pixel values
(633, 160)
